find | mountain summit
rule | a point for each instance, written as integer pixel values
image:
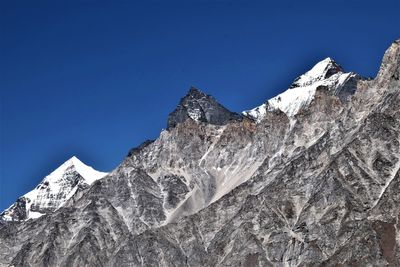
(200, 107)
(326, 73)
(309, 178)
(321, 71)
(53, 191)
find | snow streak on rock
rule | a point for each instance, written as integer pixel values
(53, 191)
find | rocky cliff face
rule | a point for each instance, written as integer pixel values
(309, 178)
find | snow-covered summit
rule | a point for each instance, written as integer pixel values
(88, 173)
(53, 191)
(322, 70)
(300, 94)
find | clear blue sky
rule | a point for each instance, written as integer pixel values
(96, 78)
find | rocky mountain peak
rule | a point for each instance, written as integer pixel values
(195, 93)
(53, 191)
(315, 187)
(326, 73)
(322, 70)
(88, 173)
(390, 68)
(200, 107)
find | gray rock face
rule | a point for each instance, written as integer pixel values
(317, 188)
(200, 107)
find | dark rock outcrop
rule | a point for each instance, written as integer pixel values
(198, 106)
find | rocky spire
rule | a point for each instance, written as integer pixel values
(200, 107)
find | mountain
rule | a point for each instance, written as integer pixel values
(302, 91)
(51, 193)
(200, 107)
(309, 178)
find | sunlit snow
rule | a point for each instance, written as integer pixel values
(52, 185)
(293, 99)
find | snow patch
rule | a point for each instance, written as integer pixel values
(194, 114)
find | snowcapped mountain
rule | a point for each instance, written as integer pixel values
(53, 191)
(302, 91)
(311, 178)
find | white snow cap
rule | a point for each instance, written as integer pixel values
(302, 91)
(88, 173)
(55, 189)
(54, 179)
(317, 73)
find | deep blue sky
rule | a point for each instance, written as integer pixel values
(96, 78)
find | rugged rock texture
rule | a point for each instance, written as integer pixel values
(51, 193)
(316, 187)
(200, 107)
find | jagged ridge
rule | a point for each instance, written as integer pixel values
(316, 188)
